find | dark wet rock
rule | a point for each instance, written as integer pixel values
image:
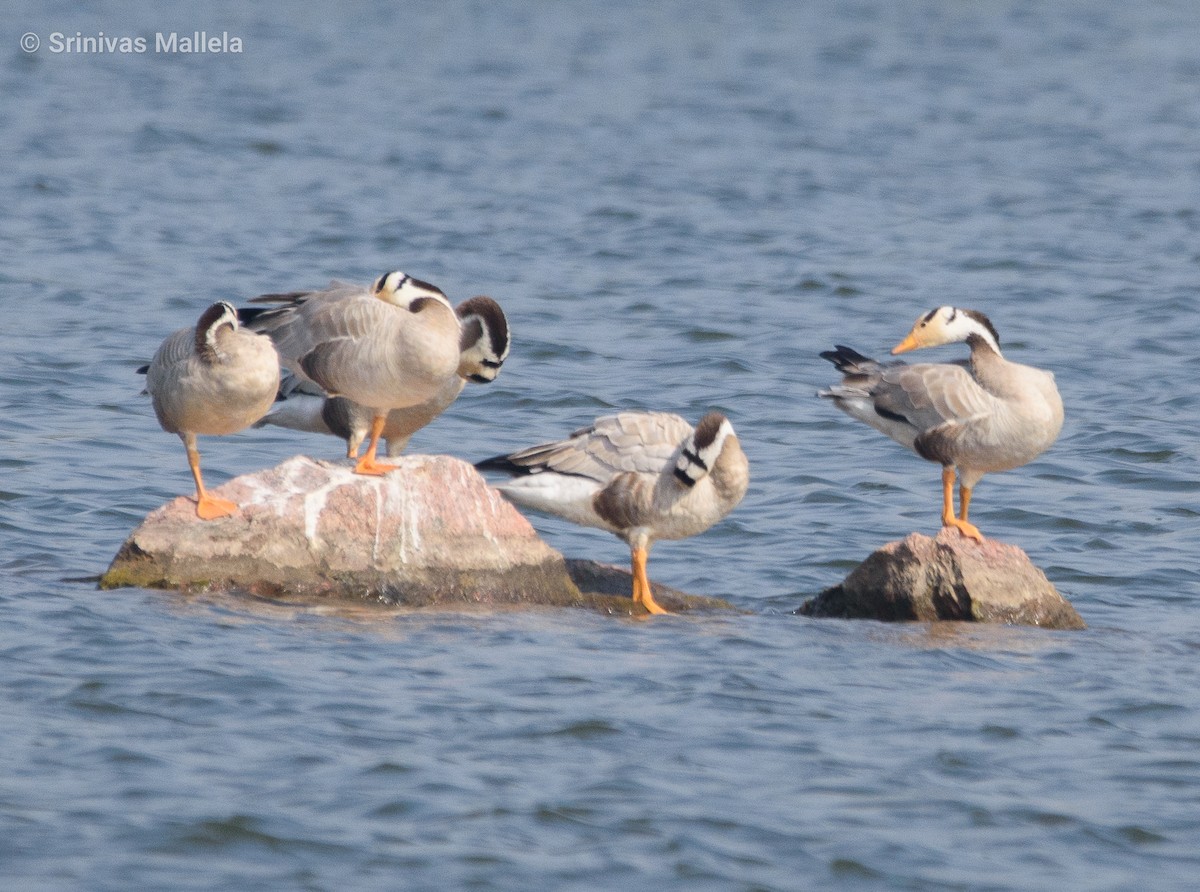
(617, 582)
(430, 534)
(947, 578)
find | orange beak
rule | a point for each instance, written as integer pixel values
(909, 343)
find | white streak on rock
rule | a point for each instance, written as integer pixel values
(410, 514)
(380, 498)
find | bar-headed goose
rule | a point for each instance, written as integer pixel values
(213, 378)
(981, 416)
(643, 476)
(393, 346)
(483, 345)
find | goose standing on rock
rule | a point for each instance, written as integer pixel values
(484, 345)
(643, 476)
(214, 378)
(976, 417)
(392, 346)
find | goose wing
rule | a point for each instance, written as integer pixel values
(906, 401)
(293, 385)
(638, 442)
(298, 320)
(930, 395)
(335, 287)
(177, 348)
(318, 333)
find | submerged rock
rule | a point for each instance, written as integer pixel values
(947, 578)
(617, 582)
(431, 533)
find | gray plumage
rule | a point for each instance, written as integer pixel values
(387, 347)
(392, 346)
(213, 378)
(484, 345)
(973, 418)
(642, 476)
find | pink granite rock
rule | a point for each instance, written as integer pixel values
(431, 533)
(947, 578)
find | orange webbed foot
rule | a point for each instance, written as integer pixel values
(967, 529)
(374, 468)
(651, 607)
(210, 507)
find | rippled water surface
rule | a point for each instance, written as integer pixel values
(679, 205)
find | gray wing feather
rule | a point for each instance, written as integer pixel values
(336, 287)
(177, 348)
(321, 323)
(639, 442)
(929, 395)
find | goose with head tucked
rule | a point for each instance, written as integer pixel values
(484, 345)
(213, 378)
(392, 346)
(642, 476)
(976, 417)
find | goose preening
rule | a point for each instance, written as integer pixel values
(213, 378)
(483, 345)
(393, 346)
(976, 417)
(643, 476)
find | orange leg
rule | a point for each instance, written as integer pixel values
(208, 507)
(641, 583)
(367, 464)
(948, 519)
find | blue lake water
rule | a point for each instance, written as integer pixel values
(679, 205)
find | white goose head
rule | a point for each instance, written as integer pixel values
(950, 325)
(701, 450)
(212, 320)
(484, 341)
(406, 292)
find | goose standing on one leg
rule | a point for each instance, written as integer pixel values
(640, 475)
(484, 345)
(214, 378)
(391, 347)
(979, 417)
